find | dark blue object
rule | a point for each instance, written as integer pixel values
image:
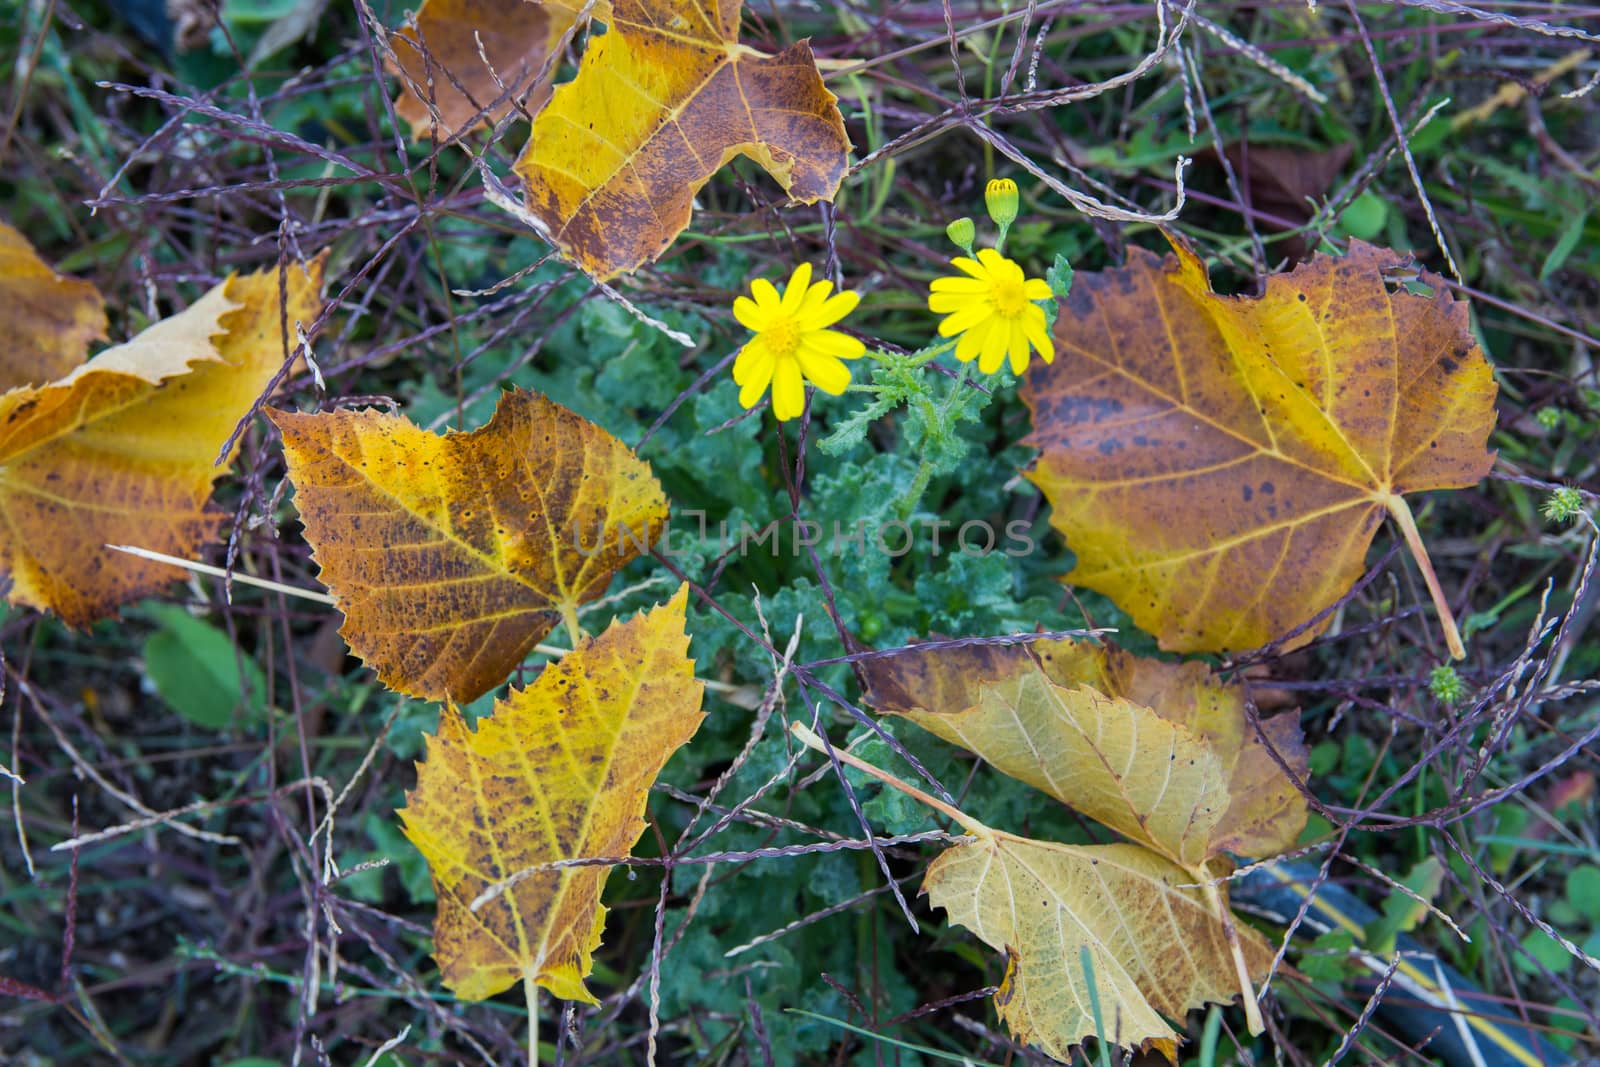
(1427, 1000)
(150, 20)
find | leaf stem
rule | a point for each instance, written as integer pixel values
(1252, 1010)
(218, 572)
(531, 992)
(569, 616)
(1400, 511)
(809, 738)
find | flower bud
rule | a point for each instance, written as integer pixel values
(961, 233)
(1001, 200)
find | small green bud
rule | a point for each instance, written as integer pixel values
(1563, 505)
(962, 233)
(1446, 685)
(1549, 418)
(1001, 199)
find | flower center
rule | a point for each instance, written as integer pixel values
(1009, 299)
(782, 337)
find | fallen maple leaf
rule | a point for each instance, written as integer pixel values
(660, 103)
(452, 556)
(1164, 753)
(47, 321)
(440, 63)
(124, 449)
(1047, 905)
(1220, 464)
(559, 771)
(1155, 949)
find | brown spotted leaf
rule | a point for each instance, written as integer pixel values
(452, 556)
(47, 321)
(123, 450)
(1220, 464)
(661, 102)
(559, 771)
(1155, 949)
(440, 62)
(1164, 753)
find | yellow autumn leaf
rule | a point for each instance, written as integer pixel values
(660, 103)
(442, 64)
(452, 556)
(1220, 464)
(559, 771)
(1155, 949)
(1159, 937)
(47, 321)
(124, 449)
(1163, 753)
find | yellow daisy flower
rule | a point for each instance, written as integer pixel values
(991, 305)
(792, 342)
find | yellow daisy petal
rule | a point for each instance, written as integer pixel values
(751, 354)
(749, 314)
(1040, 337)
(836, 344)
(1018, 350)
(1036, 289)
(824, 371)
(788, 390)
(995, 263)
(767, 298)
(815, 297)
(944, 303)
(960, 285)
(963, 318)
(794, 294)
(835, 308)
(972, 342)
(757, 374)
(993, 351)
(967, 266)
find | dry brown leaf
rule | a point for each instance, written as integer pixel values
(452, 556)
(1164, 753)
(660, 103)
(444, 54)
(1220, 464)
(1155, 949)
(559, 771)
(47, 320)
(1159, 937)
(1284, 184)
(123, 450)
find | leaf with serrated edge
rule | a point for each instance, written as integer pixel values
(517, 37)
(123, 450)
(452, 556)
(1220, 464)
(660, 103)
(47, 321)
(559, 771)
(1161, 752)
(1155, 949)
